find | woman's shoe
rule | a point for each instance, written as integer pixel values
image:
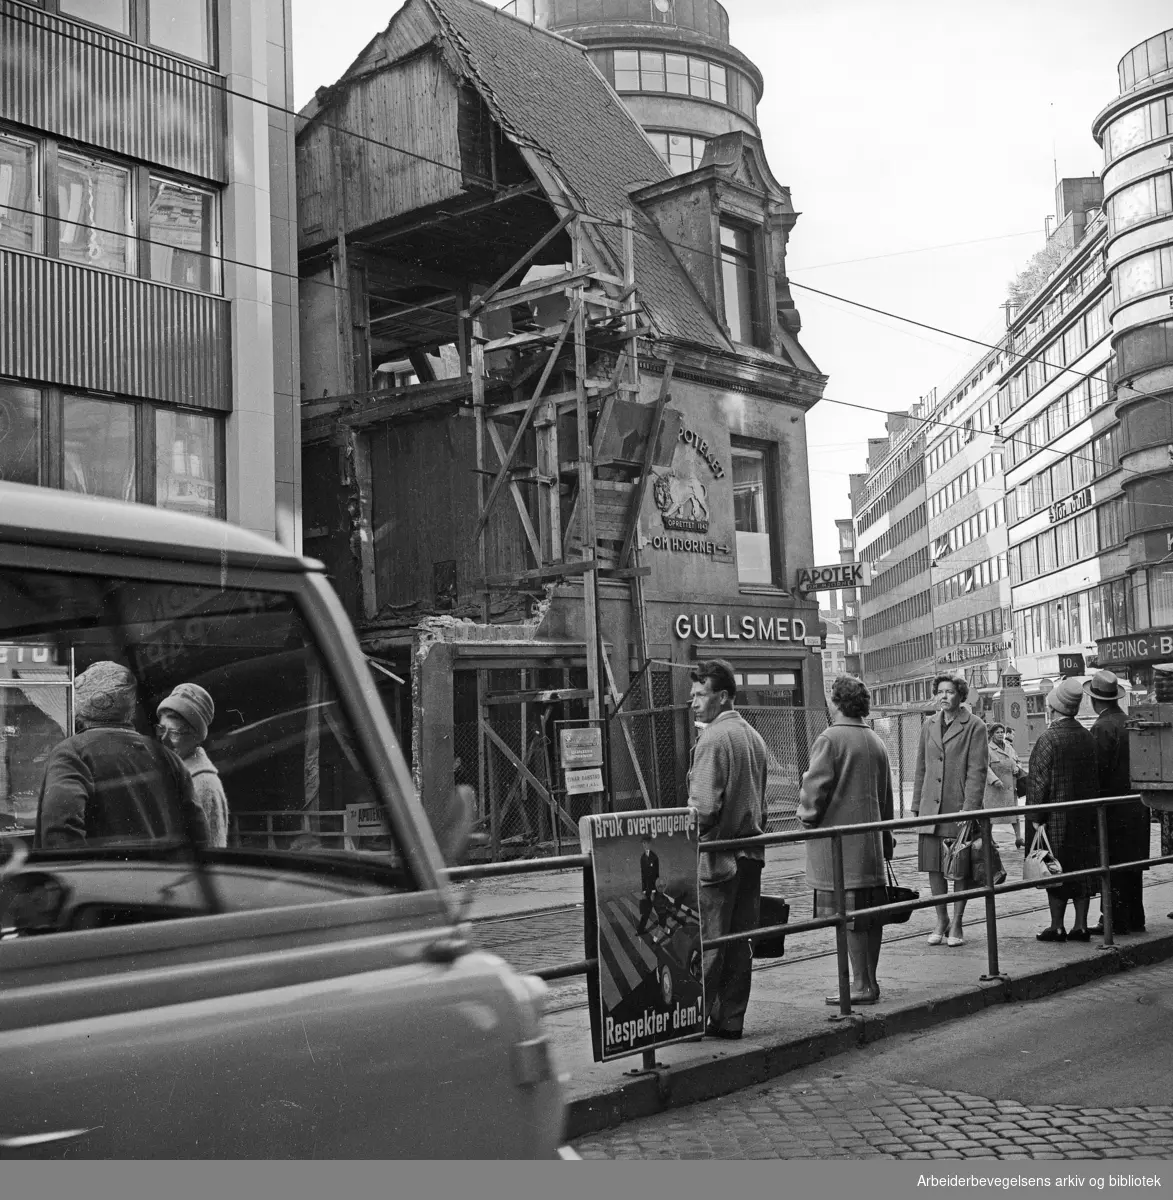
(1052, 935)
(955, 941)
(1080, 935)
(935, 939)
(1019, 843)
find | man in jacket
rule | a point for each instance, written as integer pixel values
(1128, 823)
(727, 787)
(108, 784)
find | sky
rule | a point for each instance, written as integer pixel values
(921, 141)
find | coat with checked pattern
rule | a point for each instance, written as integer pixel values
(1063, 767)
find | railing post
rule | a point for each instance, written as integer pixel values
(841, 924)
(1105, 875)
(992, 971)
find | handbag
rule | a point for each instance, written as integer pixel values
(1020, 785)
(898, 895)
(774, 911)
(957, 857)
(977, 862)
(1040, 862)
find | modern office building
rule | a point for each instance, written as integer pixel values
(148, 290)
(1136, 132)
(1067, 552)
(890, 514)
(967, 528)
(673, 64)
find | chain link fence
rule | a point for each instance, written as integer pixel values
(788, 733)
(900, 733)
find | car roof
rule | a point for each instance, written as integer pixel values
(46, 516)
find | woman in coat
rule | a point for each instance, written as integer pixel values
(1005, 770)
(952, 759)
(847, 783)
(1063, 767)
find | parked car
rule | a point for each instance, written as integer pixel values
(305, 992)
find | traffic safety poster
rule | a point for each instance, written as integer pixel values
(648, 935)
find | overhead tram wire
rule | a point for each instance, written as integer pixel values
(558, 207)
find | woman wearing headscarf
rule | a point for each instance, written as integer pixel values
(1063, 767)
(952, 759)
(184, 717)
(108, 783)
(1004, 771)
(849, 782)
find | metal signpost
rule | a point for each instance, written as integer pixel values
(645, 902)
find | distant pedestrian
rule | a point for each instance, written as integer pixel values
(849, 782)
(1063, 767)
(727, 787)
(1128, 823)
(184, 717)
(1004, 772)
(108, 784)
(952, 759)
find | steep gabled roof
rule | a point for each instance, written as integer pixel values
(551, 99)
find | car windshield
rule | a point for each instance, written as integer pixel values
(98, 672)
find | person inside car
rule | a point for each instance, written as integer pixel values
(184, 717)
(108, 784)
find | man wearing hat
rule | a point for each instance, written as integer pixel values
(184, 718)
(108, 784)
(1128, 824)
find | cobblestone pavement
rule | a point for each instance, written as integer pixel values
(835, 1117)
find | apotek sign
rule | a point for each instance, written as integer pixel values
(831, 579)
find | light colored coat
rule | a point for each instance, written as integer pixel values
(209, 794)
(849, 781)
(950, 770)
(1003, 771)
(727, 787)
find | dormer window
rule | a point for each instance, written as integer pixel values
(739, 276)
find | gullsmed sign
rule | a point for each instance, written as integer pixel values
(647, 915)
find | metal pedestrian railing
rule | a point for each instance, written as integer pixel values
(988, 892)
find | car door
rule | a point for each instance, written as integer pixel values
(302, 992)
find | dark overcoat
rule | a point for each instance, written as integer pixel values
(1128, 824)
(1063, 767)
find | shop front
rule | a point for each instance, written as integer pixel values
(1134, 657)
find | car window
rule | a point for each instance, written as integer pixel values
(275, 771)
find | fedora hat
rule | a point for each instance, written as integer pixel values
(1103, 685)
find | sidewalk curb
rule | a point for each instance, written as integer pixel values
(672, 1087)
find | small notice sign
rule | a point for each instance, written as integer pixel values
(581, 781)
(650, 989)
(581, 747)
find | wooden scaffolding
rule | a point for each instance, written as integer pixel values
(586, 526)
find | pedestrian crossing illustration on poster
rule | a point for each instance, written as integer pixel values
(650, 975)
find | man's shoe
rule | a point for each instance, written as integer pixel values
(731, 1035)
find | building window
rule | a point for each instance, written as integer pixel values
(681, 151)
(753, 513)
(20, 194)
(182, 229)
(95, 214)
(98, 444)
(110, 14)
(97, 222)
(182, 27)
(186, 456)
(740, 279)
(120, 449)
(678, 74)
(20, 434)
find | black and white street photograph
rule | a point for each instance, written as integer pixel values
(586, 583)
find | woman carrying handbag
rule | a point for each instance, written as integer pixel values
(1063, 767)
(1003, 775)
(952, 759)
(849, 782)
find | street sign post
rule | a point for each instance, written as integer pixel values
(646, 908)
